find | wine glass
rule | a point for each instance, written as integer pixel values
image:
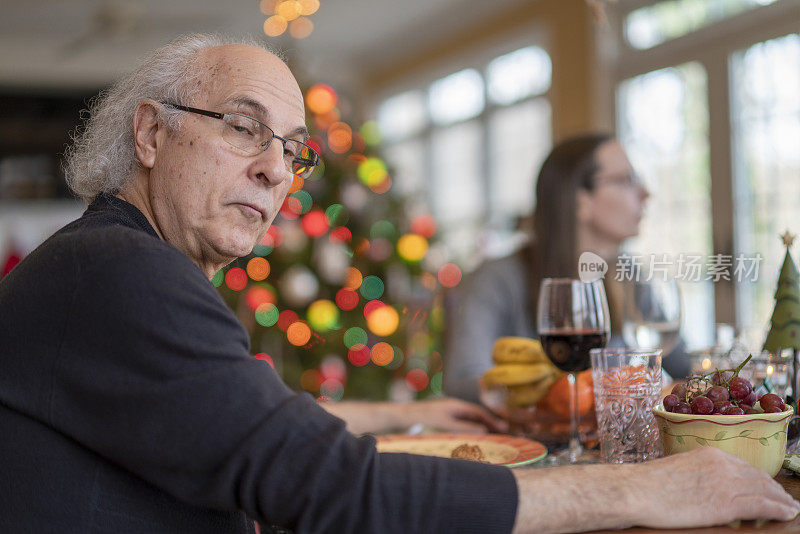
(572, 319)
(651, 314)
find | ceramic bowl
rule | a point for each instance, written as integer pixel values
(758, 438)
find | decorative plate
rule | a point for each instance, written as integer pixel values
(497, 449)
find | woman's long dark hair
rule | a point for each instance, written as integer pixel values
(553, 252)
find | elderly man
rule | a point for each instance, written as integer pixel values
(129, 401)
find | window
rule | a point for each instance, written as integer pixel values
(663, 125)
(471, 154)
(649, 26)
(713, 122)
(766, 131)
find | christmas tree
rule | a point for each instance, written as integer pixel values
(341, 295)
(784, 330)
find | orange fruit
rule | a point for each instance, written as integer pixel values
(557, 399)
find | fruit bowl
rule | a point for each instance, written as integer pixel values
(759, 438)
(546, 421)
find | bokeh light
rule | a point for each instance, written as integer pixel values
(353, 279)
(288, 9)
(267, 7)
(361, 247)
(359, 355)
(258, 295)
(412, 247)
(382, 228)
(275, 25)
(382, 354)
(311, 380)
(397, 359)
(321, 99)
(359, 145)
(323, 315)
(354, 336)
(428, 281)
(305, 200)
(257, 268)
(346, 299)
(308, 7)
(424, 225)
(340, 137)
(287, 318)
(236, 279)
(417, 380)
(381, 187)
(337, 215)
(380, 249)
(291, 208)
(297, 184)
(436, 383)
(331, 388)
(420, 343)
(417, 363)
(263, 356)
(332, 366)
(371, 306)
(372, 171)
(371, 132)
(298, 333)
(218, 278)
(371, 287)
(383, 321)
(301, 27)
(267, 314)
(314, 223)
(323, 121)
(449, 275)
(340, 234)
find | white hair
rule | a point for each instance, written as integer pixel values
(102, 156)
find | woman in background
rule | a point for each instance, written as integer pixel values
(588, 199)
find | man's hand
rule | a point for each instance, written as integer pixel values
(708, 487)
(700, 488)
(451, 415)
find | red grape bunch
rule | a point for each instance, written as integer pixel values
(720, 393)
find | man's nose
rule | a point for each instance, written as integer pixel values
(269, 166)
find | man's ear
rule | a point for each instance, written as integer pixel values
(145, 128)
(584, 204)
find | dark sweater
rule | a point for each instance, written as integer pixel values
(129, 402)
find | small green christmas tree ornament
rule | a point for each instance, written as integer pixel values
(784, 332)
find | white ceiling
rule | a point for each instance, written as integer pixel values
(87, 43)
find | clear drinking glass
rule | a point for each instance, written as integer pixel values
(572, 319)
(627, 385)
(651, 314)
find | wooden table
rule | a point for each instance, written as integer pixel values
(790, 482)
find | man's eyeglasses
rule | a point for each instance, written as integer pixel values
(252, 137)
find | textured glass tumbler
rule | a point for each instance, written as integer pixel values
(627, 385)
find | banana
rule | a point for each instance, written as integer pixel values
(517, 374)
(529, 394)
(518, 350)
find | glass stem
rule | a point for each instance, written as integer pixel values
(575, 448)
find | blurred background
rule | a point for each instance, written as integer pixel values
(433, 117)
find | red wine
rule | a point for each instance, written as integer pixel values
(569, 349)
